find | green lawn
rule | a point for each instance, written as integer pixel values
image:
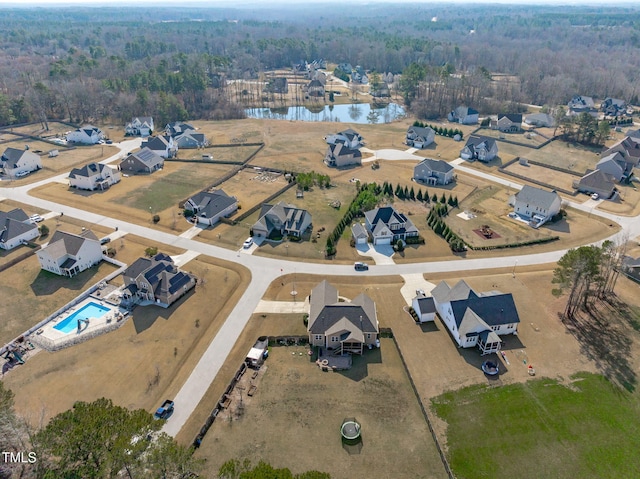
(168, 190)
(543, 429)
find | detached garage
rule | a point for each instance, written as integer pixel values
(424, 307)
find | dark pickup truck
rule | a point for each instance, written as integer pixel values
(164, 411)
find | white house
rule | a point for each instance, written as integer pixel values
(536, 204)
(419, 137)
(68, 254)
(433, 172)
(162, 145)
(93, 176)
(209, 207)
(15, 228)
(86, 135)
(476, 319)
(387, 226)
(350, 138)
(424, 308)
(479, 148)
(16, 163)
(139, 126)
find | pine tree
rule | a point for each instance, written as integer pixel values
(455, 202)
(412, 194)
(434, 198)
(405, 193)
(450, 200)
(443, 199)
(419, 195)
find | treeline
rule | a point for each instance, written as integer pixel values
(439, 130)
(92, 63)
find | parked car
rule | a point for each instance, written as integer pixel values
(105, 240)
(35, 218)
(595, 196)
(247, 243)
(108, 142)
(21, 174)
(359, 266)
(164, 411)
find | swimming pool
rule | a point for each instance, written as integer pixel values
(89, 310)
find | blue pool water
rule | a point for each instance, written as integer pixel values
(89, 310)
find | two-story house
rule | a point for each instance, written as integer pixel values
(386, 225)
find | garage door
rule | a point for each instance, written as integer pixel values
(386, 240)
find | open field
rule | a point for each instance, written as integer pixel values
(232, 153)
(565, 155)
(250, 187)
(139, 197)
(56, 129)
(140, 364)
(298, 408)
(557, 179)
(543, 428)
(530, 138)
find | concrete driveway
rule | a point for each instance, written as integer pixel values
(380, 254)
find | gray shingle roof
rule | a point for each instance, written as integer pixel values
(11, 157)
(63, 242)
(436, 165)
(13, 224)
(385, 216)
(90, 169)
(537, 196)
(211, 204)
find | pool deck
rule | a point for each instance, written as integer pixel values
(50, 338)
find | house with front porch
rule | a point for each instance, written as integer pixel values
(68, 254)
(536, 205)
(420, 137)
(341, 326)
(508, 123)
(433, 172)
(93, 176)
(476, 319)
(139, 126)
(386, 226)
(16, 228)
(86, 135)
(157, 280)
(16, 163)
(479, 148)
(281, 220)
(209, 206)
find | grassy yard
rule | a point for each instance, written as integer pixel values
(543, 428)
(298, 408)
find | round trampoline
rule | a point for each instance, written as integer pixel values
(490, 368)
(350, 429)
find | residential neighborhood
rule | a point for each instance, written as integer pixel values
(249, 265)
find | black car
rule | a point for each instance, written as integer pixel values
(359, 266)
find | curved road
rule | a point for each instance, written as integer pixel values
(265, 270)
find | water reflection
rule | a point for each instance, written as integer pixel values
(350, 113)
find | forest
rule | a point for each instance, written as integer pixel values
(109, 64)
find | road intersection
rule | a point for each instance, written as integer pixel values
(265, 270)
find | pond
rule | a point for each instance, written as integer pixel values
(349, 113)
